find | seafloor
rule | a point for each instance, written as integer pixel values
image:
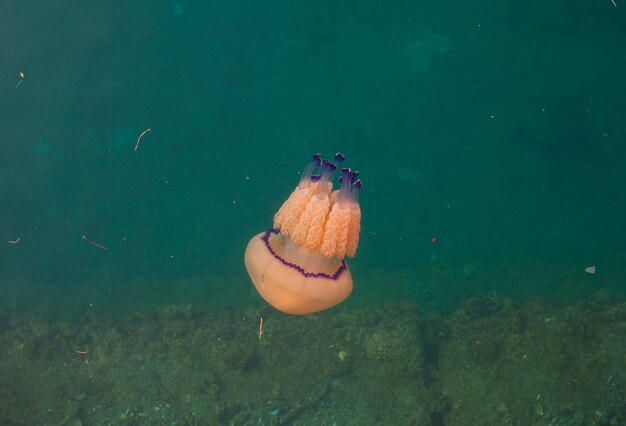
(492, 362)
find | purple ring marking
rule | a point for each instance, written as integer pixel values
(334, 277)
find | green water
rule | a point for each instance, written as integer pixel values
(497, 128)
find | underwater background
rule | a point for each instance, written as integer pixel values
(490, 137)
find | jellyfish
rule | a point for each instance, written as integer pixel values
(299, 265)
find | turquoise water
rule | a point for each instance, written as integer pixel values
(144, 143)
(496, 128)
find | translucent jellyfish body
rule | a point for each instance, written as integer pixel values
(298, 266)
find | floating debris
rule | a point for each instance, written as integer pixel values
(590, 269)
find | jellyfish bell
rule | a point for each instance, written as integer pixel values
(299, 265)
(278, 268)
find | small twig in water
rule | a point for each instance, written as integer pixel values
(141, 136)
(94, 243)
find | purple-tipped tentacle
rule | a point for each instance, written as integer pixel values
(329, 167)
(327, 175)
(354, 193)
(305, 178)
(354, 176)
(345, 182)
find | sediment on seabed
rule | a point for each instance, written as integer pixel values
(493, 360)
